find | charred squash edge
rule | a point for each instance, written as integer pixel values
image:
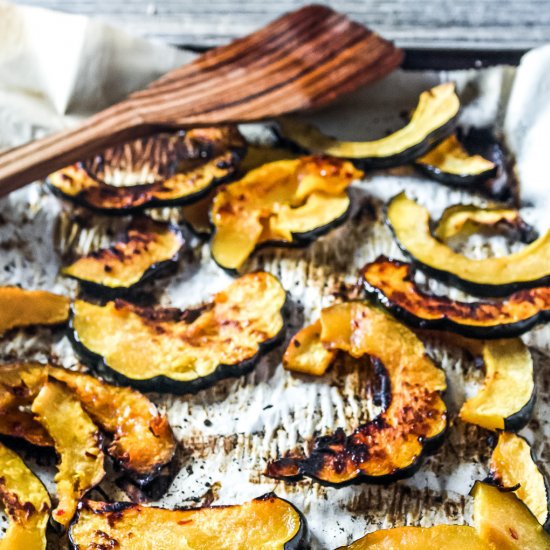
(405, 156)
(536, 463)
(300, 541)
(495, 331)
(12, 502)
(466, 179)
(309, 469)
(165, 384)
(479, 289)
(153, 203)
(154, 269)
(236, 150)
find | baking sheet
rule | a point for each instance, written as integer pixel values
(228, 433)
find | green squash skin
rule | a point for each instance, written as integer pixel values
(477, 289)
(237, 156)
(301, 240)
(455, 180)
(157, 269)
(521, 418)
(164, 384)
(300, 541)
(404, 157)
(510, 330)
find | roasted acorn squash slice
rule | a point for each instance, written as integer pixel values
(285, 202)
(506, 399)
(449, 537)
(77, 442)
(145, 248)
(505, 522)
(433, 119)
(265, 522)
(209, 156)
(178, 351)
(391, 445)
(449, 162)
(497, 276)
(142, 442)
(513, 465)
(392, 283)
(24, 308)
(26, 502)
(466, 219)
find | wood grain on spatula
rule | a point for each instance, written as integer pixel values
(301, 61)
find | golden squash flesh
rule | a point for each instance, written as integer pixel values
(24, 308)
(77, 442)
(287, 202)
(26, 503)
(391, 445)
(142, 439)
(391, 282)
(207, 156)
(174, 350)
(448, 537)
(433, 118)
(513, 465)
(497, 276)
(506, 398)
(146, 247)
(505, 522)
(267, 522)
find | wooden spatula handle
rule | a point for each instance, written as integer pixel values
(31, 161)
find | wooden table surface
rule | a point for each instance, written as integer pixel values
(493, 25)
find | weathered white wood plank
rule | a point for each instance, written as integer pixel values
(437, 24)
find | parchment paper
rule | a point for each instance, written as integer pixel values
(55, 68)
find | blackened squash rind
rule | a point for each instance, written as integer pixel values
(285, 203)
(507, 397)
(211, 157)
(449, 537)
(77, 442)
(178, 351)
(415, 416)
(23, 308)
(142, 439)
(450, 163)
(391, 282)
(26, 503)
(434, 118)
(265, 522)
(466, 219)
(497, 276)
(505, 522)
(146, 248)
(513, 464)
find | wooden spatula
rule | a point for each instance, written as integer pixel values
(303, 60)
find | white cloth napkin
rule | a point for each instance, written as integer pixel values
(56, 67)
